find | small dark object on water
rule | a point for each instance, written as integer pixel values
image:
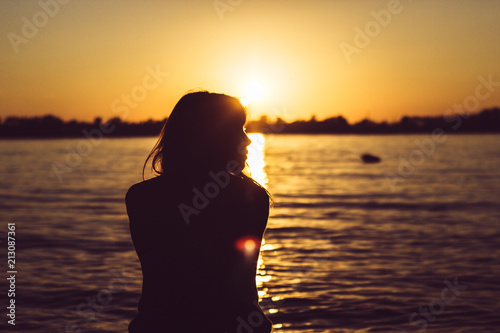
(368, 158)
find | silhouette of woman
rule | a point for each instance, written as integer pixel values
(197, 227)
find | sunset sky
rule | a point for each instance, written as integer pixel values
(134, 59)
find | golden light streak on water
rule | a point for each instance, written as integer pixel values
(256, 160)
(262, 276)
(256, 163)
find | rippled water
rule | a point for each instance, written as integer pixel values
(349, 247)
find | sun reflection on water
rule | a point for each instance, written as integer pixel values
(255, 159)
(256, 163)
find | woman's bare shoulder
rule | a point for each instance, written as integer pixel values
(250, 189)
(143, 190)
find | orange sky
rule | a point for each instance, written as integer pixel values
(135, 59)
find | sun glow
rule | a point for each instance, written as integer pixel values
(254, 91)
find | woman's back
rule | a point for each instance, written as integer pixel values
(198, 241)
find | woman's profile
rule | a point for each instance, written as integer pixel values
(197, 226)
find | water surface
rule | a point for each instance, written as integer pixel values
(347, 249)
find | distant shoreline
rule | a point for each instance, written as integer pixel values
(18, 138)
(50, 127)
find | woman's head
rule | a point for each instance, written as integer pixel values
(203, 133)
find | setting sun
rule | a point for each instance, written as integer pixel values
(253, 92)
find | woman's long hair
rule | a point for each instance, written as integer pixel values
(200, 135)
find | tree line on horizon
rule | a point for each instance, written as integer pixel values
(49, 126)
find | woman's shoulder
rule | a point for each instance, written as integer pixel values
(249, 188)
(143, 190)
(167, 187)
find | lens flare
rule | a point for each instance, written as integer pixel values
(247, 244)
